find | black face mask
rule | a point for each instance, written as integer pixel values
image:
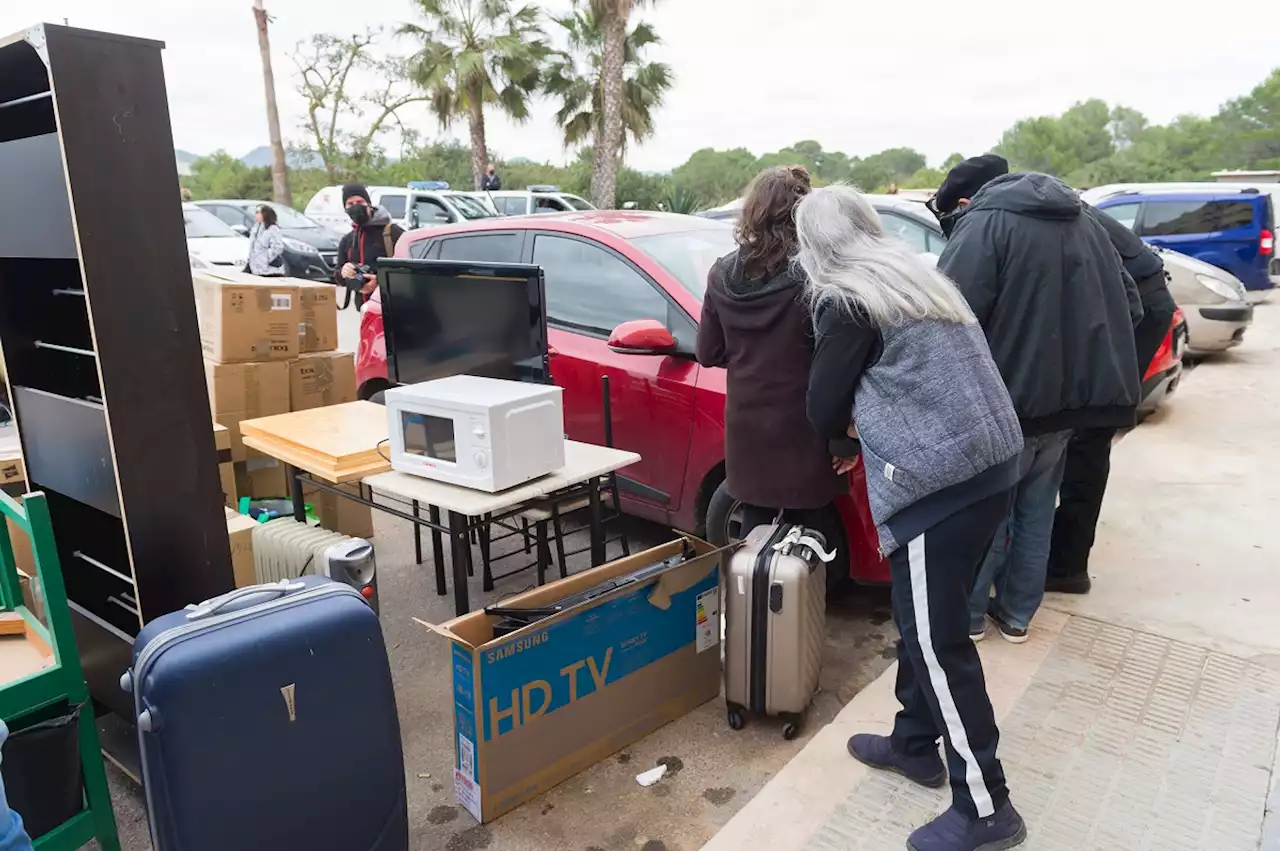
(359, 213)
(948, 221)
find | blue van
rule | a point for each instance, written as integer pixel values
(1231, 229)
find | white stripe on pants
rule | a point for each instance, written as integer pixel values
(938, 680)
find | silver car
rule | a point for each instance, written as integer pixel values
(1212, 299)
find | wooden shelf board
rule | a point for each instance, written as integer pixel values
(21, 656)
(337, 440)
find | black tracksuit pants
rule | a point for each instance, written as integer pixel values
(940, 683)
(1088, 464)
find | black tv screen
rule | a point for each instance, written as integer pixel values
(443, 318)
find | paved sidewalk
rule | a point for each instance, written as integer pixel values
(1143, 716)
(1122, 740)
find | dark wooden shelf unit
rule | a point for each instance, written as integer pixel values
(99, 337)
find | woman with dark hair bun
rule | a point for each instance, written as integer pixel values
(756, 324)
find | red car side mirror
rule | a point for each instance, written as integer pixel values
(642, 337)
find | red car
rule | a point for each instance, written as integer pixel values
(624, 293)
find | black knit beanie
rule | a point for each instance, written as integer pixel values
(350, 190)
(967, 178)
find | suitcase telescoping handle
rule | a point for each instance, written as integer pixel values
(209, 608)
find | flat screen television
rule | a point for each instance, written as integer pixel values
(443, 318)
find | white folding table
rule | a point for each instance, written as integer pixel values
(580, 476)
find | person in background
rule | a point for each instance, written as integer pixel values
(899, 351)
(892, 189)
(755, 323)
(372, 235)
(13, 836)
(1058, 310)
(1088, 462)
(490, 182)
(266, 244)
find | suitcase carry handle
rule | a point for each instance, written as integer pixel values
(211, 607)
(797, 538)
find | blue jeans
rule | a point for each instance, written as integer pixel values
(12, 835)
(1019, 556)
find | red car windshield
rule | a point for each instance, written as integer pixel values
(689, 255)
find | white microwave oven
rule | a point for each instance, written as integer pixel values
(482, 433)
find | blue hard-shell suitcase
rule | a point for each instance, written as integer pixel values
(267, 720)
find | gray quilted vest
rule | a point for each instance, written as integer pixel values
(932, 412)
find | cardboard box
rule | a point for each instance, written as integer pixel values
(322, 379)
(338, 514)
(318, 324)
(261, 478)
(226, 473)
(245, 319)
(12, 472)
(244, 391)
(31, 597)
(536, 707)
(13, 478)
(240, 533)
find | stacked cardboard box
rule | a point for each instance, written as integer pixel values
(226, 473)
(240, 533)
(270, 348)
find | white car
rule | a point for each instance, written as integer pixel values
(534, 199)
(1213, 300)
(421, 204)
(211, 243)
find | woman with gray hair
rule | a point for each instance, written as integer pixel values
(901, 363)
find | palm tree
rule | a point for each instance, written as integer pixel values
(576, 77)
(476, 53)
(613, 15)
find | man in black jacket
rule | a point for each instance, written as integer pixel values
(372, 235)
(1088, 465)
(1058, 311)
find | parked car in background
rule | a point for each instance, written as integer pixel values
(624, 295)
(910, 220)
(1233, 230)
(1214, 302)
(1097, 193)
(309, 248)
(534, 199)
(906, 217)
(420, 204)
(1164, 373)
(211, 243)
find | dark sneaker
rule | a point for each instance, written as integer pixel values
(1009, 632)
(1077, 584)
(955, 831)
(976, 634)
(877, 752)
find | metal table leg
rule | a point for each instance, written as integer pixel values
(295, 492)
(459, 550)
(417, 536)
(597, 523)
(437, 541)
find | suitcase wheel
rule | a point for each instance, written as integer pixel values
(737, 718)
(791, 727)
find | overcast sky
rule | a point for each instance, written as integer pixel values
(856, 76)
